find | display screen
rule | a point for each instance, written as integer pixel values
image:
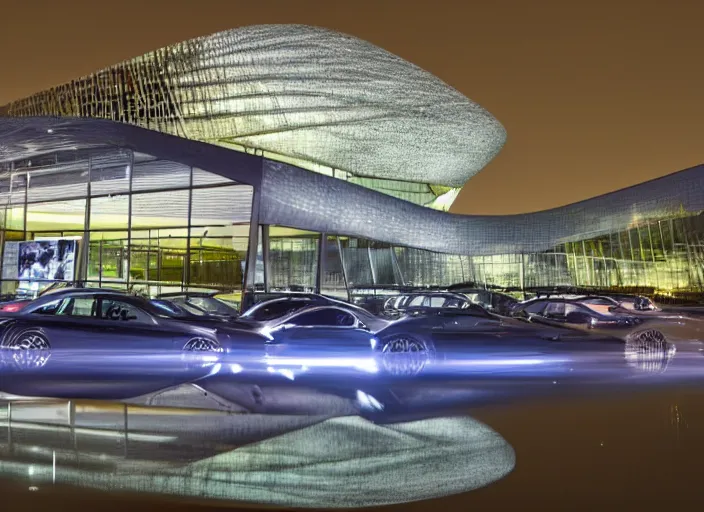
(44, 262)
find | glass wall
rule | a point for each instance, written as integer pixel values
(665, 256)
(143, 223)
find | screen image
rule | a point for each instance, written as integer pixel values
(42, 263)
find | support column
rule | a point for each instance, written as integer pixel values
(322, 253)
(265, 255)
(344, 268)
(250, 265)
(371, 263)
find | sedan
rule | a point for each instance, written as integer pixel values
(100, 321)
(344, 336)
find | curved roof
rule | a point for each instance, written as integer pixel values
(308, 94)
(297, 198)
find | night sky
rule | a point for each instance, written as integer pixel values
(595, 95)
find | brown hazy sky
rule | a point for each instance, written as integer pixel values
(595, 94)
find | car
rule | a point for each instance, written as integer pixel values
(423, 302)
(201, 302)
(590, 312)
(277, 305)
(325, 335)
(496, 302)
(102, 321)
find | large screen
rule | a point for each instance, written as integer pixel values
(43, 262)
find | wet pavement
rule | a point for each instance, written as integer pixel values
(592, 429)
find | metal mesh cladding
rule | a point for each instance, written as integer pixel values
(306, 93)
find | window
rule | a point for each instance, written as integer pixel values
(48, 309)
(598, 301)
(275, 309)
(324, 318)
(437, 302)
(114, 310)
(211, 305)
(192, 309)
(535, 308)
(109, 212)
(555, 309)
(68, 306)
(572, 308)
(57, 216)
(417, 301)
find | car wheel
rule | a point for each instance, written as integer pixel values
(28, 349)
(202, 345)
(403, 355)
(648, 350)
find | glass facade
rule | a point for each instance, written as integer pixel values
(661, 256)
(143, 223)
(154, 225)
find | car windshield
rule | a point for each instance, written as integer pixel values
(274, 309)
(211, 305)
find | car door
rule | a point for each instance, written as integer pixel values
(129, 327)
(324, 332)
(69, 322)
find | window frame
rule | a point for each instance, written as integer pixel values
(355, 325)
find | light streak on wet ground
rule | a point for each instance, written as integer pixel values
(583, 425)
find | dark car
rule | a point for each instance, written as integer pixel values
(277, 305)
(424, 302)
(201, 303)
(345, 336)
(100, 321)
(496, 302)
(590, 312)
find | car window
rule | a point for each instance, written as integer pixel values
(115, 310)
(453, 303)
(597, 301)
(181, 302)
(437, 302)
(324, 318)
(211, 305)
(275, 309)
(170, 308)
(555, 309)
(573, 308)
(417, 301)
(535, 307)
(50, 308)
(68, 306)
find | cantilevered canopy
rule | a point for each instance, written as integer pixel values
(29, 137)
(311, 95)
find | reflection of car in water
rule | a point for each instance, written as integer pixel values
(99, 320)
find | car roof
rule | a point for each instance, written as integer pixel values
(186, 294)
(64, 291)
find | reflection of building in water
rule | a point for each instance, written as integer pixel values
(280, 460)
(677, 420)
(298, 157)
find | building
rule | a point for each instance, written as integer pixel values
(279, 156)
